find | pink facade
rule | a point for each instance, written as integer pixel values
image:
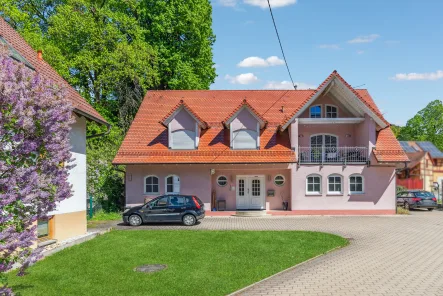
(376, 193)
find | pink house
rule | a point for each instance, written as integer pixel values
(323, 151)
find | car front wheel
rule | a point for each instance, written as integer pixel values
(406, 206)
(135, 220)
(430, 209)
(189, 220)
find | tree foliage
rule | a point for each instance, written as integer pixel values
(112, 52)
(426, 125)
(35, 119)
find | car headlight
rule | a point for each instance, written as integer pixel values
(127, 210)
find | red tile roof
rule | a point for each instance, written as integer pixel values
(387, 148)
(20, 45)
(146, 140)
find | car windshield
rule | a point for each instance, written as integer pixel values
(424, 194)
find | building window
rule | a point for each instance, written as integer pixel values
(315, 112)
(151, 185)
(279, 180)
(43, 228)
(222, 181)
(183, 139)
(313, 184)
(356, 184)
(331, 111)
(335, 184)
(172, 184)
(244, 139)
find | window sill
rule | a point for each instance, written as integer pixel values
(313, 194)
(334, 194)
(151, 193)
(356, 193)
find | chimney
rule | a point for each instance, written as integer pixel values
(282, 109)
(40, 55)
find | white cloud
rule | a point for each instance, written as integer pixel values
(360, 51)
(364, 39)
(329, 46)
(260, 62)
(274, 3)
(246, 78)
(229, 3)
(288, 85)
(419, 76)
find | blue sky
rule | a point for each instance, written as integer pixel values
(394, 48)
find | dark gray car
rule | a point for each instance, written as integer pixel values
(415, 199)
(187, 209)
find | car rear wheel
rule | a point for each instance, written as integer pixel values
(406, 206)
(189, 220)
(135, 220)
(430, 209)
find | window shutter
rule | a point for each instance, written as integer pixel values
(183, 139)
(176, 183)
(245, 139)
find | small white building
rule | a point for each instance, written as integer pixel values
(69, 219)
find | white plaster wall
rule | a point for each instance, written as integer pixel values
(77, 175)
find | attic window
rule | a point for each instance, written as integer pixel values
(315, 112)
(15, 54)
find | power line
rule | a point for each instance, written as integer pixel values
(281, 47)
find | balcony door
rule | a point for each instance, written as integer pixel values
(323, 147)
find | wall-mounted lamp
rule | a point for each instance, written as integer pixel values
(348, 135)
(130, 177)
(212, 171)
(300, 136)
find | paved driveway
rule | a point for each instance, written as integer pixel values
(395, 255)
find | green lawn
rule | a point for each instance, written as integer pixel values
(199, 262)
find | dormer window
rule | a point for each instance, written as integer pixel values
(315, 112)
(331, 111)
(184, 128)
(245, 125)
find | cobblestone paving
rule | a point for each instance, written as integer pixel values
(391, 255)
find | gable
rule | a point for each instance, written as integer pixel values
(182, 121)
(244, 120)
(328, 99)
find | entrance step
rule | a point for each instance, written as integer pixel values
(259, 213)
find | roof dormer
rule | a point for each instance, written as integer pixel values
(245, 124)
(184, 127)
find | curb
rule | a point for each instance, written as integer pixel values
(238, 292)
(75, 242)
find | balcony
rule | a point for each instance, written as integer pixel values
(333, 155)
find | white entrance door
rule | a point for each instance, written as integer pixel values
(250, 192)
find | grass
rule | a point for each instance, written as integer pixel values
(199, 262)
(402, 211)
(104, 216)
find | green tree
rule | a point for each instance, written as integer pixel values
(426, 125)
(396, 129)
(181, 32)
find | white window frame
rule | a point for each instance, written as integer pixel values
(362, 185)
(166, 184)
(158, 184)
(326, 110)
(314, 192)
(323, 139)
(227, 180)
(341, 185)
(284, 180)
(321, 111)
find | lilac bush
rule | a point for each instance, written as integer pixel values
(35, 120)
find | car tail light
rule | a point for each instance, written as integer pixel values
(416, 199)
(196, 203)
(434, 199)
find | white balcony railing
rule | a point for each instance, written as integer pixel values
(333, 155)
